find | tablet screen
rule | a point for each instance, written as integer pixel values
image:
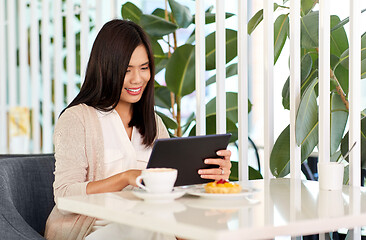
(187, 154)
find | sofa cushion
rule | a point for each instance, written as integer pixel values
(26, 185)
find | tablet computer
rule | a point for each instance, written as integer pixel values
(187, 154)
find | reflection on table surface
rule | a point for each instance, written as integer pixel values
(279, 207)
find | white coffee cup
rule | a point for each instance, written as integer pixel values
(157, 180)
(330, 175)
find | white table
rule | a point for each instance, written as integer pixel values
(284, 207)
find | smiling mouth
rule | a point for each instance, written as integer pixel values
(133, 91)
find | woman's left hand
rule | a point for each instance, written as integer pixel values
(223, 171)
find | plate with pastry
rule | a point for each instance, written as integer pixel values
(221, 189)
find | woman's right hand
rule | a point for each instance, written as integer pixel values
(131, 176)
(114, 183)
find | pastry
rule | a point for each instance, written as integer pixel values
(222, 186)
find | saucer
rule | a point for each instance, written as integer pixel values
(158, 197)
(199, 191)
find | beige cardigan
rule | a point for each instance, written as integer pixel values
(79, 156)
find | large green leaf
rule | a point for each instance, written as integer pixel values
(161, 64)
(210, 17)
(338, 38)
(257, 18)
(255, 21)
(306, 6)
(344, 58)
(344, 144)
(180, 71)
(231, 70)
(341, 74)
(310, 36)
(280, 155)
(159, 12)
(231, 106)
(231, 49)
(131, 12)
(158, 52)
(181, 13)
(306, 66)
(307, 114)
(168, 122)
(157, 26)
(211, 128)
(234, 176)
(338, 122)
(280, 34)
(162, 97)
(309, 30)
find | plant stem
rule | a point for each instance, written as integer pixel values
(179, 129)
(172, 101)
(339, 89)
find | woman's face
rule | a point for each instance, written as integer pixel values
(137, 76)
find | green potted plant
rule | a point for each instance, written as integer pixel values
(307, 116)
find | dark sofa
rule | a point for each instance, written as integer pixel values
(26, 195)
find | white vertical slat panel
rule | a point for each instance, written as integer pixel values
(268, 84)
(12, 51)
(84, 52)
(46, 80)
(324, 83)
(58, 66)
(84, 33)
(98, 15)
(23, 54)
(3, 77)
(35, 76)
(355, 93)
(220, 67)
(243, 89)
(113, 8)
(295, 200)
(354, 108)
(70, 44)
(200, 69)
(295, 82)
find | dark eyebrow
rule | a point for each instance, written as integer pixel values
(140, 65)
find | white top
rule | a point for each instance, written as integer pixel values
(121, 153)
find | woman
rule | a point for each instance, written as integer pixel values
(103, 138)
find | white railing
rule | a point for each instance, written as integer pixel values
(34, 87)
(46, 78)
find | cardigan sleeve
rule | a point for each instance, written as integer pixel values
(71, 160)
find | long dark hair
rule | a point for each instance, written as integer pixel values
(107, 66)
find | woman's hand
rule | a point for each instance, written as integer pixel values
(114, 183)
(223, 171)
(131, 176)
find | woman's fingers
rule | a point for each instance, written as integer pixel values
(224, 153)
(223, 169)
(222, 172)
